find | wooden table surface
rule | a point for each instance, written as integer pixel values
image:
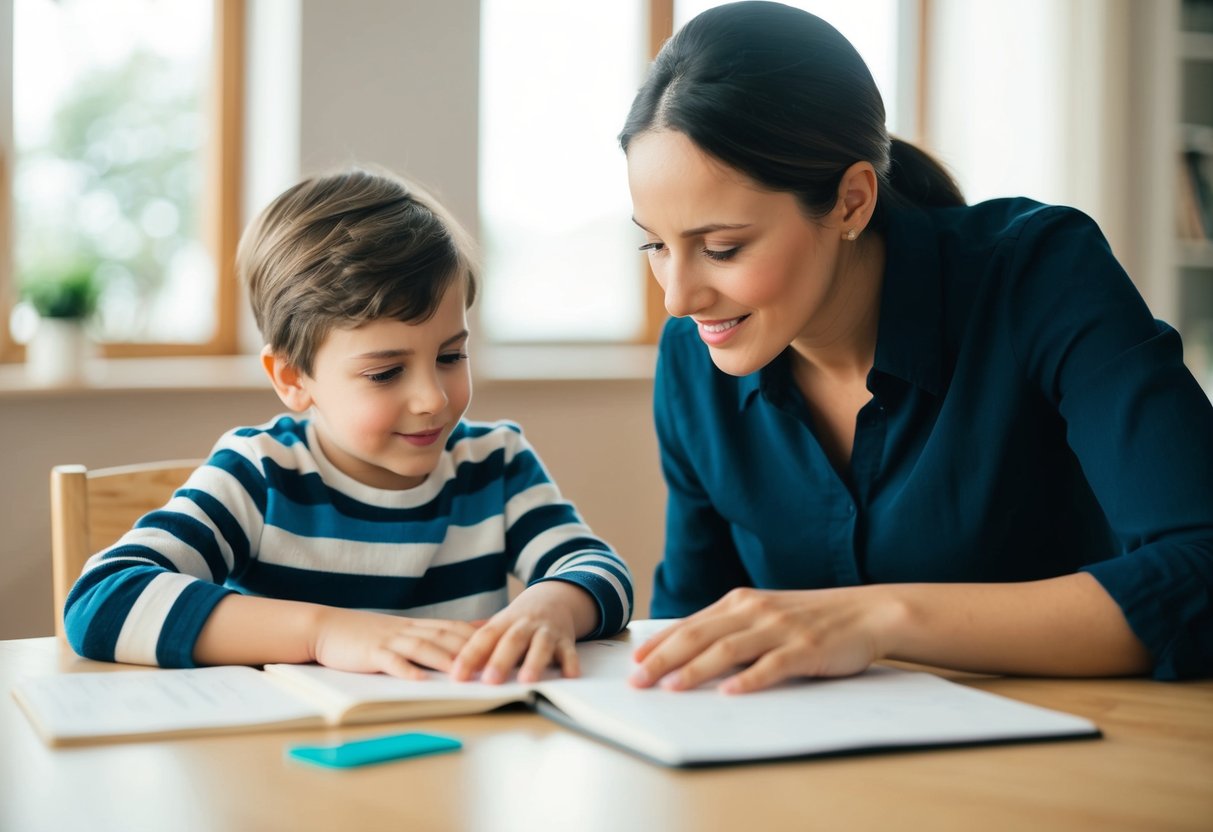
(1153, 770)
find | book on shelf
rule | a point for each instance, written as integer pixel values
(882, 709)
(1196, 196)
(1189, 223)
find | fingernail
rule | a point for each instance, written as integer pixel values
(639, 676)
(491, 675)
(672, 682)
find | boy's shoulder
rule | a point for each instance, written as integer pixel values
(282, 437)
(284, 430)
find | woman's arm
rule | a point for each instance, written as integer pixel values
(1065, 626)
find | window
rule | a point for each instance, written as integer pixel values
(557, 80)
(125, 137)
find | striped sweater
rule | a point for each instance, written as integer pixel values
(268, 515)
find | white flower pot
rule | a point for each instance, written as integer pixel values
(57, 352)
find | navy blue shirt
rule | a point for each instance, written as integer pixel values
(1029, 418)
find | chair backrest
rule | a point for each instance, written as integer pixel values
(92, 509)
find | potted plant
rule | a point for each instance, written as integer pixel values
(64, 299)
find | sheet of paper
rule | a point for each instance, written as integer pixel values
(114, 704)
(883, 707)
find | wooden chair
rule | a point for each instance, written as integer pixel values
(92, 509)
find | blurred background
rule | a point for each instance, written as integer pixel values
(137, 137)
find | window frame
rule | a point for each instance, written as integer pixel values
(221, 208)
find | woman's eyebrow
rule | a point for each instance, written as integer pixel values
(703, 229)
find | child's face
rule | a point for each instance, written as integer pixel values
(385, 396)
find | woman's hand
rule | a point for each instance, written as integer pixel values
(779, 635)
(370, 642)
(539, 628)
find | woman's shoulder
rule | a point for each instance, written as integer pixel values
(1011, 220)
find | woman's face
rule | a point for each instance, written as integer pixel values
(744, 262)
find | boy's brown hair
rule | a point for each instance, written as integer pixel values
(341, 249)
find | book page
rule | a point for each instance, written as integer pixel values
(343, 693)
(881, 708)
(81, 706)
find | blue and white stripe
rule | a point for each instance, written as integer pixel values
(269, 515)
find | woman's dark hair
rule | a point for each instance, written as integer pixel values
(783, 97)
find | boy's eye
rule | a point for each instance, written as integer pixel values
(385, 376)
(452, 357)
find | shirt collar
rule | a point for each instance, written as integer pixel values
(909, 344)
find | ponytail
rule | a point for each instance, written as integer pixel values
(915, 176)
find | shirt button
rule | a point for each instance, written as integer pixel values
(850, 509)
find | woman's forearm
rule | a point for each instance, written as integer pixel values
(1067, 626)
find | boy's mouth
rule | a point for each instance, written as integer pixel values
(422, 438)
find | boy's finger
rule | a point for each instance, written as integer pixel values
(538, 656)
(566, 657)
(473, 655)
(422, 651)
(464, 629)
(510, 649)
(394, 664)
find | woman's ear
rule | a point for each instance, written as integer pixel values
(856, 199)
(287, 380)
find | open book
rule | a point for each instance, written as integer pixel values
(881, 709)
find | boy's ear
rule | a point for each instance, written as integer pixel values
(287, 381)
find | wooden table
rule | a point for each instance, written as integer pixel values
(1152, 771)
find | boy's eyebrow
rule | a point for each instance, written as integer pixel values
(703, 229)
(459, 336)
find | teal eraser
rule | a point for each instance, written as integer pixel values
(374, 750)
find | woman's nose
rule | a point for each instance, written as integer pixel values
(683, 291)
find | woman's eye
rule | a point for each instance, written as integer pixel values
(385, 376)
(452, 357)
(653, 248)
(720, 254)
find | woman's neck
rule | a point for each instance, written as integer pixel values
(840, 341)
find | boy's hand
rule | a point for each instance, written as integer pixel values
(539, 628)
(370, 642)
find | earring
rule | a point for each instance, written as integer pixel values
(850, 235)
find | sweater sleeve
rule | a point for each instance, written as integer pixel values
(145, 599)
(1138, 423)
(546, 539)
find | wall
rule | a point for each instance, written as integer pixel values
(1034, 98)
(595, 437)
(383, 82)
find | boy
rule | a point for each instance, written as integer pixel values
(377, 533)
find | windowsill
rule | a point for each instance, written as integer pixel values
(565, 362)
(494, 364)
(123, 375)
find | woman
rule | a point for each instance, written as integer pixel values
(893, 425)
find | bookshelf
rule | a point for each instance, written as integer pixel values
(1191, 239)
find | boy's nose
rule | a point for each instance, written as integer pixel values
(426, 395)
